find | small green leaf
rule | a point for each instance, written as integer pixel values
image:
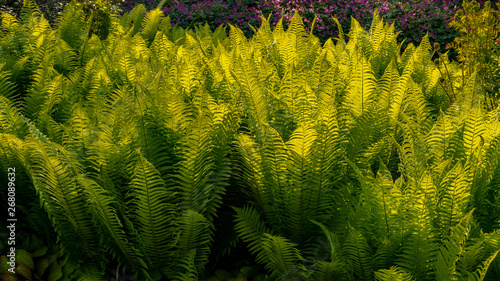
(23, 270)
(22, 256)
(55, 274)
(40, 252)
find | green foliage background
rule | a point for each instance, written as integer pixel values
(160, 149)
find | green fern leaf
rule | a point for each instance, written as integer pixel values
(153, 216)
(281, 258)
(358, 254)
(193, 235)
(250, 227)
(392, 274)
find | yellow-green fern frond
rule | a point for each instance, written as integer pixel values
(193, 235)
(392, 274)
(251, 227)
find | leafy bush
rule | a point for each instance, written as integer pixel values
(51, 9)
(477, 46)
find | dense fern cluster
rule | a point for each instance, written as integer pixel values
(337, 162)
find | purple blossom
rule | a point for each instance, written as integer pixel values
(412, 14)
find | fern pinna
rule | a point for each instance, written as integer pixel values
(334, 160)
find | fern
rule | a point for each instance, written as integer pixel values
(145, 144)
(392, 274)
(151, 214)
(358, 254)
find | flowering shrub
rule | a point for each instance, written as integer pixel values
(414, 18)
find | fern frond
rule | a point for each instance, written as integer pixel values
(332, 240)
(404, 80)
(246, 76)
(196, 168)
(55, 176)
(418, 254)
(298, 197)
(474, 132)
(328, 162)
(386, 202)
(358, 254)
(151, 24)
(261, 188)
(385, 255)
(134, 20)
(7, 88)
(361, 86)
(29, 11)
(388, 84)
(71, 25)
(439, 137)
(392, 274)
(10, 119)
(480, 274)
